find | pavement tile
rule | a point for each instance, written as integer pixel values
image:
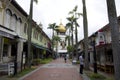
(56, 70)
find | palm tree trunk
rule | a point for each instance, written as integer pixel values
(72, 41)
(29, 35)
(85, 34)
(69, 38)
(76, 38)
(115, 36)
(53, 54)
(57, 48)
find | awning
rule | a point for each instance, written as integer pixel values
(41, 47)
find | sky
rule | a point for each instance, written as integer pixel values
(55, 11)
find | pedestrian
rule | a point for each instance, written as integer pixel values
(81, 64)
(65, 58)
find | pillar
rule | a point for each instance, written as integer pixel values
(19, 55)
(1, 48)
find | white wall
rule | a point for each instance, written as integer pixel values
(0, 12)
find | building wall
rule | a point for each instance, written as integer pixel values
(108, 36)
(13, 28)
(0, 12)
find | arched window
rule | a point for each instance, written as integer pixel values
(13, 22)
(18, 28)
(25, 28)
(36, 35)
(40, 37)
(7, 19)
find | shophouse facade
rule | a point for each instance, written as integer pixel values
(14, 35)
(103, 48)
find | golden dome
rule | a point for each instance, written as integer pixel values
(61, 28)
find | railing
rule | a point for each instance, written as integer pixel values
(7, 68)
(4, 68)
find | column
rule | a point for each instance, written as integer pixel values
(1, 48)
(9, 50)
(19, 54)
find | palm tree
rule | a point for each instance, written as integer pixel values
(115, 36)
(73, 20)
(76, 17)
(67, 38)
(85, 24)
(52, 26)
(29, 33)
(56, 39)
(68, 27)
(76, 38)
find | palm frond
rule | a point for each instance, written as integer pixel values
(68, 25)
(56, 38)
(67, 38)
(80, 14)
(71, 12)
(36, 1)
(51, 26)
(77, 24)
(75, 9)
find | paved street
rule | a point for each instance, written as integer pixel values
(56, 70)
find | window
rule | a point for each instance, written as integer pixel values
(7, 18)
(25, 28)
(13, 22)
(5, 50)
(34, 34)
(41, 38)
(37, 35)
(19, 25)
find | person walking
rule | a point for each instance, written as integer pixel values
(81, 64)
(65, 58)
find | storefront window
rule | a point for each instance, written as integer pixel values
(5, 50)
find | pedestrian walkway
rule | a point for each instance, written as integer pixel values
(56, 70)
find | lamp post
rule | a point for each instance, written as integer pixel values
(94, 54)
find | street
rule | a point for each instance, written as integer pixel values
(56, 70)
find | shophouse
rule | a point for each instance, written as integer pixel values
(103, 48)
(14, 37)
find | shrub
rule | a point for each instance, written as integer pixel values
(78, 62)
(94, 76)
(36, 61)
(44, 61)
(41, 61)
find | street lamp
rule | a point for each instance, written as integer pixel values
(94, 54)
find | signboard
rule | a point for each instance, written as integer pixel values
(101, 37)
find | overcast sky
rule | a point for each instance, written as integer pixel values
(53, 11)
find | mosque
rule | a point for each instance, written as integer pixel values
(62, 44)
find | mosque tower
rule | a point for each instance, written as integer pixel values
(62, 45)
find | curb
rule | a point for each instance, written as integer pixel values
(29, 73)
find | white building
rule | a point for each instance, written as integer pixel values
(62, 44)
